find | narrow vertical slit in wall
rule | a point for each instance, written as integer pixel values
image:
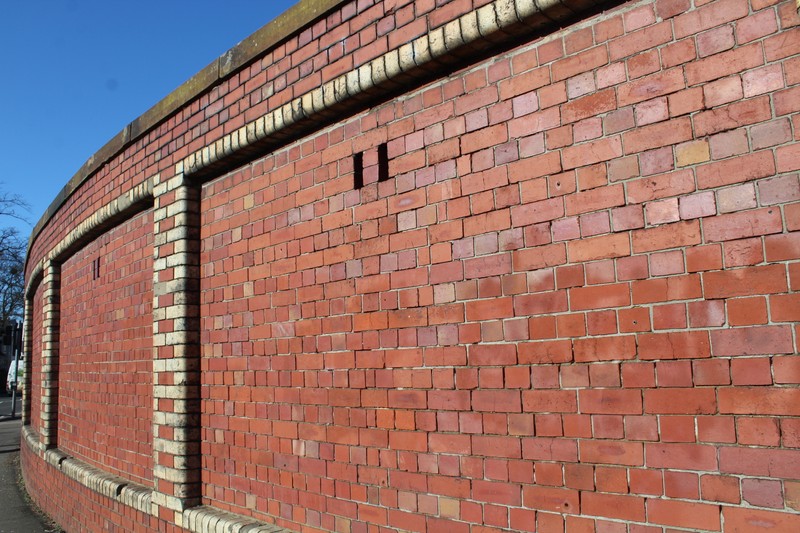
(383, 162)
(358, 170)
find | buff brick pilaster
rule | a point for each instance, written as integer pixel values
(176, 391)
(51, 310)
(27, 349)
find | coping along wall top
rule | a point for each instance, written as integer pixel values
(296, 18)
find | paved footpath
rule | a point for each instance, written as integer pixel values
(15, 514)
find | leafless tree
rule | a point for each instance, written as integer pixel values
(12, 258)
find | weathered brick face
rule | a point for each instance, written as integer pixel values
(105, 371)
(552, 289)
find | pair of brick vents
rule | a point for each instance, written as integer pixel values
(358, 183)
(358, 167)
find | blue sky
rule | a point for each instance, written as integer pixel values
(76, 72)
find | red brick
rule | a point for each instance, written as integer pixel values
(661, 186)
(720, 488)
(681, 456)
(709, 16)
(684, 514)
(759, 461)
(608, 401)
(603, 247)
(558, 500)
(666, 236)
(745, 520)
(657, 135)
(741, 225)
(605, 348)
(660, 84)
(735, 115)
(582, 62)
(738, 170)
(769, 279)
(591, 152)
(756, 340)
(674, 345)
(595, 199)
(613, 506)
(680, 401)
(759, 401)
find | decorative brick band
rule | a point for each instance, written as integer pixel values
(110, 486)
(473, 31)
(205, 519)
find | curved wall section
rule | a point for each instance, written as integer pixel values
(505, 265)
(105, 359)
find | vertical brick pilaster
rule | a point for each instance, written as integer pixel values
(27, 349)
(51, 310)
(176, 352)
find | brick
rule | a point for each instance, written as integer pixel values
(607, 401)
(759, 462)
(709, 16)
(589, 106)
(666, 237)
(732, 116)
(681, 456)
(756, 26)
(657, 135)
(661, 186)
(591, 152)
(769, 279)
(603, 247)
(660, 84)
(578, 63)
(742, 520)
(641, 40)
(595, 199)
(598, 297)
(738, 170)
(680, 401)
(759, 401)
(787, 158)
(720, 488)
(613, 506)
(762, 80)
(684, 514)
(714, 41)
(558, 500)
(770, 134)
(751, 341)
(674, 345)
(605, 348)
(741, 225)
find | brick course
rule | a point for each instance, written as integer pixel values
(569, 307)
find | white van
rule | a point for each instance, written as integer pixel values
(15, 376)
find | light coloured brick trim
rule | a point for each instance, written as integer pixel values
(51, 310)
(27, 348)
(31, 438)
(116, 488)
(478, 29)
(206, 519)
(176, 337)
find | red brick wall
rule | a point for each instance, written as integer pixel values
(105, 370)
(572, 305)
(77, 508)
